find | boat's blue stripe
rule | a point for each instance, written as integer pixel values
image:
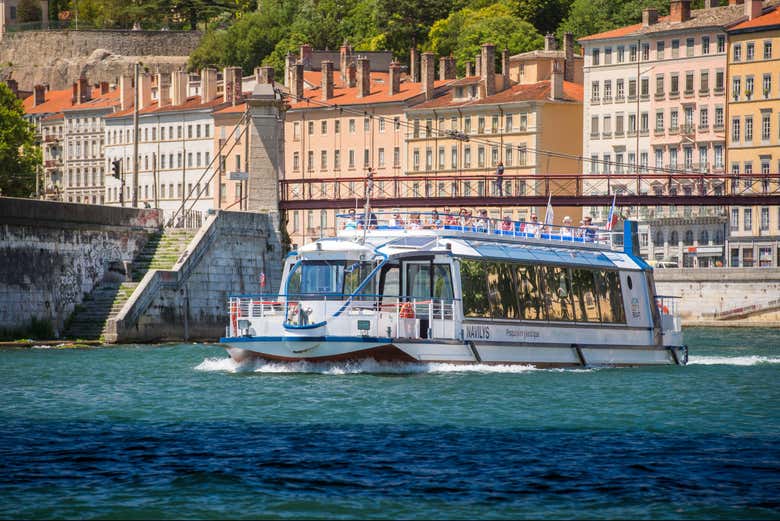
(371, 339)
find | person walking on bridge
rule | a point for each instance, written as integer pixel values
(500, 178)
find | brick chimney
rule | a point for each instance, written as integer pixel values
(296, 83)
(556, 81)
(649, 16)
(550, 43)
(84, 91)
(289, 64)
(680, 11)
(264, 75)
(125, 92)
(144, 90)
(753, 8)
(74, 93)
(505, 67)
(103, 88)
(345, 56)
(39, 95)
(178, 88)
(351, 73)
(163, 90)
(305, 55)
(488, 77)
(478, 66)
(363, 77)
(428, 74)
(414, 65)
(568, 49)
(208, 85)
(469, 69)
(232, 85)
(327, 80)
(395, 78)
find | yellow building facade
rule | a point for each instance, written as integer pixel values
(753, 137)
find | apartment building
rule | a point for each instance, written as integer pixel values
(537, 65)
(754, 133)
(69, 123)
(480, 120)
(342, 121)
(175, 142)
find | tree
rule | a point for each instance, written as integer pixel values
(406, 23)
(588, 17)
(19, 155)
(545, 15)
(28, 11)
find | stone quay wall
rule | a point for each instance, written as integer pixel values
(190, 302)
(708, 291)
(52, 254)
(58, 57)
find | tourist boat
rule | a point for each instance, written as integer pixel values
(420, 288)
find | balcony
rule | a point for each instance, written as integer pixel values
(674, 94)
(673, 131)
(704, 92)
(659, 132)
(718, 127)
(688, 93)
(51, 139)
(644, 132)
(645, 96)
(52, 163)
(704, 128)
(659, 96)
(688, 130)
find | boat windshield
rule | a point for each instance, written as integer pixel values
(330, 278)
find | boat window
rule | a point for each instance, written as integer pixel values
(472, 278)
(501, 290)
(529, 294)
(354, 275)
(610, 298)
(391, 285)
(558, 293)
(586, 307)
(418, 280)
(329, 278)
(442, 282)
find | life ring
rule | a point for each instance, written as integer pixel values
(406, 311)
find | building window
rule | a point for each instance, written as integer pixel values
(595, 56)
(351, 159)
(454, 157)
(735, 130)
(310, 160)
(381, 158)
(764, 219)
(766, 85)
(323, 160)
(705, 44)
(365, 158)
(337, 127)
(704, 82)
(674, 89)
(632, 51)
(336, 159)
(734, 219)
(608, 56)
(381, 125)
(296, 161)
(659, 50)
(765, 126)
(748, 129)
(416, 159)
(324, 127)
(675, 48)
(750, 51)
(737, 52)
(352, 126)
(721, 43)
(689, 47)
(747, 219)
(645, 51)
(704, 117)
(397, 156)
(768, 50)
(366, 124)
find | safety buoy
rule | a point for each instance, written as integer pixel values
(406, 311)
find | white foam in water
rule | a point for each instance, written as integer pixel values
(357, 367)
(732, 360)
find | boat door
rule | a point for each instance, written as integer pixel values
(417, 283)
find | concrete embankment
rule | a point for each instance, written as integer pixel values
(53, 254)
(707, 294)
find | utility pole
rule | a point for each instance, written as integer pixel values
(137, 69)
(245, 190)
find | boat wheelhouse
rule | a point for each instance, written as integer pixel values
(419, 288)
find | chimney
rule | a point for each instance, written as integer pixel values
(395, 78)
(443, 68)
(345, 54)
(305, 55)
(125, 92)
(709, 4)
(178, 88)
(327, 80)
(103, 88)
(74, 93)
(568, 49)
(556, 81)
(264, 75)
(163, 91)
(649, 16)
(232, 84)
(469, 69)
(505, 66)
(414, 65)
(289, 65)
(446, 68)
(144, 90)
(428, 74)
(85, 93)
(208, 85)
(363, 77)
(753, 8)
(478, 66)
(296, 83)
(39, 95)
(549, 42)
(488, 77)
(351, 72)
(680, 11)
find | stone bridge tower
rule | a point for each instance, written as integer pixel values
(266, 148)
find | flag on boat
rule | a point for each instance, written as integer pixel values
(549, 215)
(262, 279)
(612, 218)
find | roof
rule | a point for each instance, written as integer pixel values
(379, 93)
(60, 100)
(192, 103)
(541, 53)
(723, 16)
(238, 108)
(540, 91)
(54, 117)
(765, 21)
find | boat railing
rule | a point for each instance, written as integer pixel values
(668, 310)
(414, 221)
(375, 315)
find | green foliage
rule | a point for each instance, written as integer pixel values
(19, 155)
(594, 16)
(28, 11)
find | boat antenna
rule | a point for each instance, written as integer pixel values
(369, 189)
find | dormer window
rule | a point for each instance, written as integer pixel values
(458, 92)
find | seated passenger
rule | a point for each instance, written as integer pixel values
(588, 231)
(534, 227)
(507, 225)
(414, 222)
(396, 221)
(351, 222)
(567, 232)
(435, 220)
(482, 221)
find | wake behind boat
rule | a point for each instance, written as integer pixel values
(419, 288)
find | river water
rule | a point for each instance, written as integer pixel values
(180, 431)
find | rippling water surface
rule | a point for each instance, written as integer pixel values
(181, 431)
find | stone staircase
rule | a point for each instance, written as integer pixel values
(161, 251)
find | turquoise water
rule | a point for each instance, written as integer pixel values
(180, 431)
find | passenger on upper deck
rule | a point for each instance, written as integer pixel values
(414, 221)
(507, 225)
(533, 228)
(351, 222)
(566, 231)
(588, 231)
(435, 220)
(396, 221)
(482, 222)
(449, 218)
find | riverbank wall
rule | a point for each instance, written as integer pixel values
(53, 254)
(707, 294)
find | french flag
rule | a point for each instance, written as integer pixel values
(613, 218)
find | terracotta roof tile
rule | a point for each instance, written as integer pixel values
(770, 19)
(59, 100)
(540, 91)
(192, 103)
